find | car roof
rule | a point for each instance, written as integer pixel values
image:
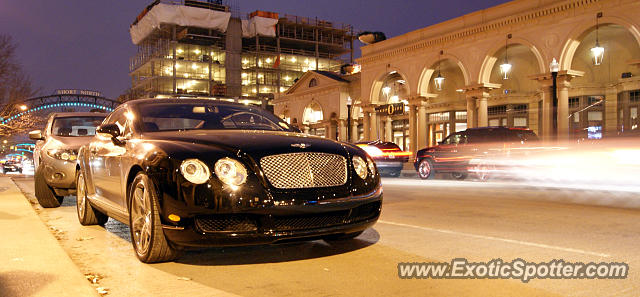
(490, 129)
(78, 114)
(182, 100)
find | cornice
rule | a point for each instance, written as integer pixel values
(494, 25)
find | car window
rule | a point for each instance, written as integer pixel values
(207, 116)
(522, 136)
(455, 139)
(75, 126)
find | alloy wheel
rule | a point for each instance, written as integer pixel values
(141, 223)
(81, 196)
(424, 169)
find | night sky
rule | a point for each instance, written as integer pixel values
(85, 44)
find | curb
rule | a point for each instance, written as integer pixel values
(34, 263)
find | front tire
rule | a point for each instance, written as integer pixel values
(425, 169)
(147, 237)
(45, 195)
(87, 215)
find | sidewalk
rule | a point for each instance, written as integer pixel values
(32, 261)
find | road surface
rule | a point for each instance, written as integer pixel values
(422, 221)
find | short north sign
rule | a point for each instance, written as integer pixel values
(78, 92)
(390, 109)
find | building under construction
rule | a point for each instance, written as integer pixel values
(203, 49)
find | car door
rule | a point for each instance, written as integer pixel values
(105, 158)
(447, 153)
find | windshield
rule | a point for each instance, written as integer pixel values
(207, 116)
(76, 126)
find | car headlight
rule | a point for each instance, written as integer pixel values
(231, 172)
(62, 154)
(195, 171)
(360, 166)
(372, 166)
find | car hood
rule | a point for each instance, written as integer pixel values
(255, 143)
(74, 143)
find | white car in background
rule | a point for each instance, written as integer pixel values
(56, 152)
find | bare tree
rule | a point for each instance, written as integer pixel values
(15, 87)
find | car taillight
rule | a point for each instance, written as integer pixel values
(395, 153)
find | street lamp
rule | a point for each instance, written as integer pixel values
(505, 68)
(439, 80)
(554, 67)
(597, 51)
(386, 90)
(349, 102)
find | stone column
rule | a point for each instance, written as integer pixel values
(483, 115)
(329, 130)
(374, 126)
(422, 126)
(354, 131)
(563, 110)
(611, 112)
(413, 130)
(366, 121)
(342, 130)
(477, 96)
(546, 122)
(388, 130)
(471, 112)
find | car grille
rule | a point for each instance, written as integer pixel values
(226, 223)
(358, 214)
(249, 224)
(305, 170)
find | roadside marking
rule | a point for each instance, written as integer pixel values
(533, 244)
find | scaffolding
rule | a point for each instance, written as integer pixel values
(184, 60)
(271, 65)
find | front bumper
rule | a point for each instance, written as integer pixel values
(58, 173)
(273, 224)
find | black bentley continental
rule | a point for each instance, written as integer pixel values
(203, 173)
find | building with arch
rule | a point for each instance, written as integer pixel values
(450, 75)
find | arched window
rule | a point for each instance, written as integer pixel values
(313, 83)
(312, 114)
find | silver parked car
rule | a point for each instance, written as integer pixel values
(56, 152)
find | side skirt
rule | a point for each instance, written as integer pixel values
(109, 208)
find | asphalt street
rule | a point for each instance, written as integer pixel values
(422, 221)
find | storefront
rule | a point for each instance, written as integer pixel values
(450, 79)
(441, 124)
(628, 104)
(510, 115)
(400, 131)
(586, 117)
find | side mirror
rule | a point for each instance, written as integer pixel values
(36, 135)
(108, 130)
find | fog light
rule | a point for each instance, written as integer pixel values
(175, 218)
